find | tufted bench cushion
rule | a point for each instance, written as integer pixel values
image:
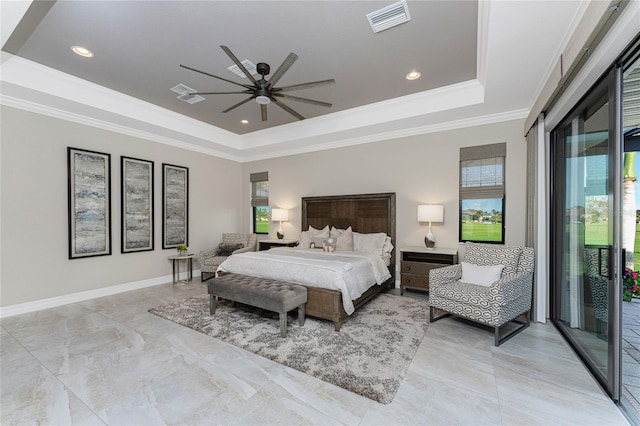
(272, 295)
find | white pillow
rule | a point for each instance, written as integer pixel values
(320, 233)
(343, 238)
(306, 236)
(303, 241)
(480, 275)
(369, 243)
(388, 247)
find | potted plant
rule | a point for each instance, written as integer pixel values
(182, 249)
(630, 285)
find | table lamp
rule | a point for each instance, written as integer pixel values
(430, 213)
(281, 215)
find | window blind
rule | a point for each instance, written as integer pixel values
(482, 171)
(259, 189)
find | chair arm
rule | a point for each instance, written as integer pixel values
(512, 286)
(244, 250)
(206, 253)
(445, 275)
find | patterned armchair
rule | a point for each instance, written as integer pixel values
(505, 300)
(210, 259)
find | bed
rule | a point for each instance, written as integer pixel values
(365, 213)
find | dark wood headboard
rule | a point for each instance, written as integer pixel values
(365, 213)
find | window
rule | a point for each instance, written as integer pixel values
(260, 202)
(482, 193)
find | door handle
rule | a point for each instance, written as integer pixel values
(609, 274)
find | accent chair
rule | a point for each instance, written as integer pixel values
(497, 291)
(232, 243)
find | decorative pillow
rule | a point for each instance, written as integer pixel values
(343, 238)
(305, 236)
(227, 249)
(480, 275)
(491, 254)
(369, 243)
(316, 242)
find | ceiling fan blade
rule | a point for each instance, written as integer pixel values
(248, 92)
(246, 86)
(238, 63)
(263, 112)
(305, 100)
(288, 109)
(284, 67)
(304, 85)
(238, 104)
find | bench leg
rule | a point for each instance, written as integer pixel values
(283, 324)
(301, 314)
(212, 304)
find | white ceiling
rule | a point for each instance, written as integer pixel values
(480, 62)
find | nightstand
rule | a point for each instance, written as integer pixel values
(416, 262)
(267, 244)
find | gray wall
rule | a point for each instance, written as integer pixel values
(35, 262)
(419, 169)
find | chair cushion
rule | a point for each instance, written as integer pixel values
(489, 254)
(465, 293)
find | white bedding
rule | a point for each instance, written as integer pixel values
(350, 272)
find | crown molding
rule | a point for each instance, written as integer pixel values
(397, 134)
(38, 108)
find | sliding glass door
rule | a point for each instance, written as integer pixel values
(585, 165)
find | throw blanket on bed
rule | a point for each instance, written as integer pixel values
(350, 272)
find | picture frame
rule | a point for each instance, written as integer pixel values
(137, 204)
(175, 206)
(89, 203)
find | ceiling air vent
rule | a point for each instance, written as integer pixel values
(388, 17)
(185, 91)
(191, 99)
(249, 66)
(182, 88)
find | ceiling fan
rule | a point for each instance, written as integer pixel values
(263, 91)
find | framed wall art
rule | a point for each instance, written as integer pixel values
(89, 184)
(136, 180)
(175, 206)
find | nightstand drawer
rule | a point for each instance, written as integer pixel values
(417, 262)
(416, 281)
(417, 268)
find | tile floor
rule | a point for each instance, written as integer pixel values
(631, 356)
(108, 361)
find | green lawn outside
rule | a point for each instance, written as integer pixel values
(481, 231)
(597, 233)
(262, 226)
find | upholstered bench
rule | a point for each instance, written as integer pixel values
(272, 295)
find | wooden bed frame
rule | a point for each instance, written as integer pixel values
(365, 213)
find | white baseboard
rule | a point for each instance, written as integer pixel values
(52, 302)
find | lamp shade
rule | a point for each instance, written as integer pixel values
(280, 214)
(430, 213)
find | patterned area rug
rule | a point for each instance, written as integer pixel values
(369, 356)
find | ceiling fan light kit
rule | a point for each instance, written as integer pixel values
(263, 91)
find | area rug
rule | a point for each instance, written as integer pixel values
(369, 356)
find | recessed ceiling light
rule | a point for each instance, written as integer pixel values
(244, 121)
(413, 75)
(82, 51)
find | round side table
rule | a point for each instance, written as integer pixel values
(176, 267)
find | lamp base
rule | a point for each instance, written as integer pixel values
(430, 241)
(280, 235)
